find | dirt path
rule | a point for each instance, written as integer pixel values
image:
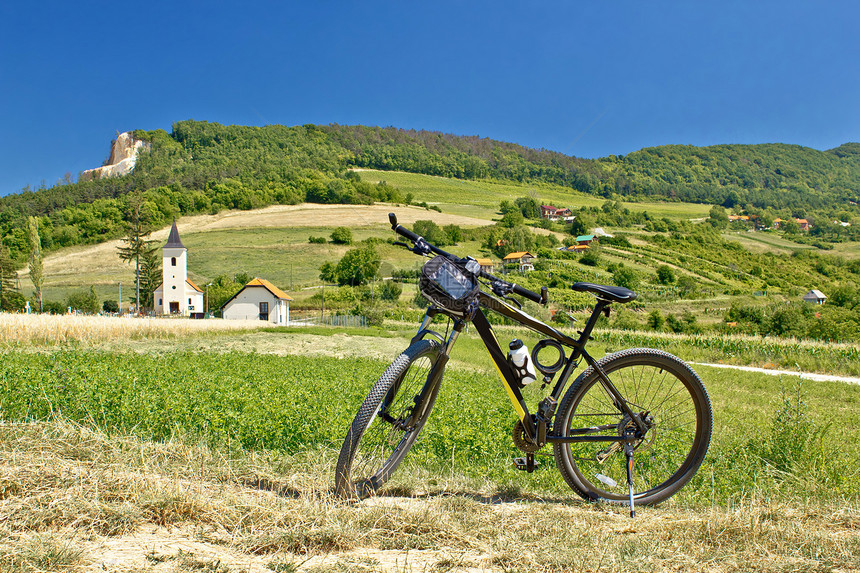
(768, 371)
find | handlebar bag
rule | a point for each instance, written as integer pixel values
(449, 286)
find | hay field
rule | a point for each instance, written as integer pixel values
(26, 329)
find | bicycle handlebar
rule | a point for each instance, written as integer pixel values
(422, 246)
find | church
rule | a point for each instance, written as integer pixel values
(177, 295)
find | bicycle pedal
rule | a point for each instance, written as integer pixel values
(522, 464)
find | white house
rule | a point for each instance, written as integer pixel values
(259, 300)
(176, 294)
(815, 296)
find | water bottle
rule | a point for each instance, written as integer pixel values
(521, 362)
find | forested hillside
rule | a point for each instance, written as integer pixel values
(207, 167)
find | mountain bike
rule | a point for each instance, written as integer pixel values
(632, 428)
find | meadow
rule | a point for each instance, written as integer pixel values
(229, 438)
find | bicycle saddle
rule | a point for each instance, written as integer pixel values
(610, 293)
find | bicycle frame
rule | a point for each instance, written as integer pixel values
(532, 427)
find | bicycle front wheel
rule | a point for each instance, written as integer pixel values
(388, 421)
(667, 392)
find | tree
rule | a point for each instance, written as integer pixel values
(8, 280)
(625, 277)
(37, 275)
(341, 236)
(136, 244)
(110, 306)
(431, 232)
(453, 233)
(718, 217)
(528, 207)
(150, 275)
(512, 219)
(358, 266)
(84, 301)
(580, 225)
(390, 291)
(656, 319)
(665, 275)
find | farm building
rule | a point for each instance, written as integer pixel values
(555, 213)
(258, 300)
(486, 265)
(815, 296)
(524, 258)
(176, 294)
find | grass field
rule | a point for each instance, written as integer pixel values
(119, 449)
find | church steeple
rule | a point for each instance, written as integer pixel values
(173, 240)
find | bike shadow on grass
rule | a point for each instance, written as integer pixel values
(511, 495)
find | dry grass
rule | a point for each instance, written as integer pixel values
(71, 498)
(26, 329)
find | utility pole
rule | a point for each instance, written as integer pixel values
(119, 302)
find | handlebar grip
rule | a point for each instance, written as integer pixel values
(400, 230)
(532, 296)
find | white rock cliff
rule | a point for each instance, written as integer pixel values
(123, 156)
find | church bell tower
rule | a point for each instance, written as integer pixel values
(175, 272)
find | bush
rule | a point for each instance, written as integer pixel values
(625, 277)
(341, 236)
(110, 306)
(84, 301)
(316, 240)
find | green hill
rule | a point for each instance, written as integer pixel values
(203, 167)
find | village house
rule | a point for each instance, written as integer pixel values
(815, 296)
(555, 213)
(585, 240)
(524, 258)
(486, 265)
(258, 300)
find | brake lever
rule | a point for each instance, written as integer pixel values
(514, 301)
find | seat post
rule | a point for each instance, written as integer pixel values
(601, 306)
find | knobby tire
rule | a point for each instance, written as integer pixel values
(672, 450)
(385, 428)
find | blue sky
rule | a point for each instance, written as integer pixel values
(584, 78)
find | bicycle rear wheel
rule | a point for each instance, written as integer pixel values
(668, 455)
(388, 421)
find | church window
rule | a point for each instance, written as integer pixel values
(172, 261)
(189, 301)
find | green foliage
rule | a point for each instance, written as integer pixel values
(341, 236)
(203, 167)
(110, 306)
(357, 266)
(390, 291)
(665, 275)
(8, 281)
(718, 217)
(85, 301)
(221, 290)
(625, 277)
(529, 207)
(431, 232)
(590, 258)
(35, 266)
(656, 319)
(317, 240)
